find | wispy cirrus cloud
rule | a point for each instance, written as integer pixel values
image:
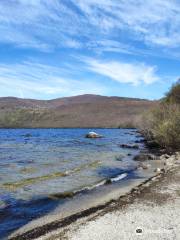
(155, 22)
(133, 73)
(38, 24)
(45, 25)
(36, 80)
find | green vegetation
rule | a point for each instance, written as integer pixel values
(163, 123)
(18, 118)
(173, 96)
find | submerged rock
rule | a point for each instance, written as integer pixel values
(140, 141)
(119, 158)
(129, 154)
(27, 135)
(93, 135)
(135, 146)
(61, 195)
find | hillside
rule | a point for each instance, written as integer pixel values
(79, 111)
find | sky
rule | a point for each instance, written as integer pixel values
(57, 48)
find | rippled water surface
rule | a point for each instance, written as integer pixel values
(37, 164)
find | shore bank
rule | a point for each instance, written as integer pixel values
(138, 203)
(152, 214)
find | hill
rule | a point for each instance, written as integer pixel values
(78, 111)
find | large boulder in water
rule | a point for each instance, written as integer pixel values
(93, 135)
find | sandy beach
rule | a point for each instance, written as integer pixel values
(154, 214)
(149, 211)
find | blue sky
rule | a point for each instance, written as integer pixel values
(57, 48)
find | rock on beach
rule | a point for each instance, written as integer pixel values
(144, 157)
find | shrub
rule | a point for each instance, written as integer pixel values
(173, 96)
(166, 126)
(163, 123)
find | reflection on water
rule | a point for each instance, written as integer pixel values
(38, 163)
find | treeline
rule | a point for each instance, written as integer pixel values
(162, 124)
(20, 118)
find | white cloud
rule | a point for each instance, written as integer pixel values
(107, 45)
(48, 24)
(134, 73)
(155, 21)
(35, 80)
(38, 24)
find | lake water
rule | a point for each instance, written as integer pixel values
(39, 168)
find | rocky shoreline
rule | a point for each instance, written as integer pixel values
(60, 228)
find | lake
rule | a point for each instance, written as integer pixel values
(41, 168)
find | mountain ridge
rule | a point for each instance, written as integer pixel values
(62, 100)
(85, 110)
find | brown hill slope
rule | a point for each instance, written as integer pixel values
(79, 111)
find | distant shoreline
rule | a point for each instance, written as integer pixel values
(84, 111)
(69, 128)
